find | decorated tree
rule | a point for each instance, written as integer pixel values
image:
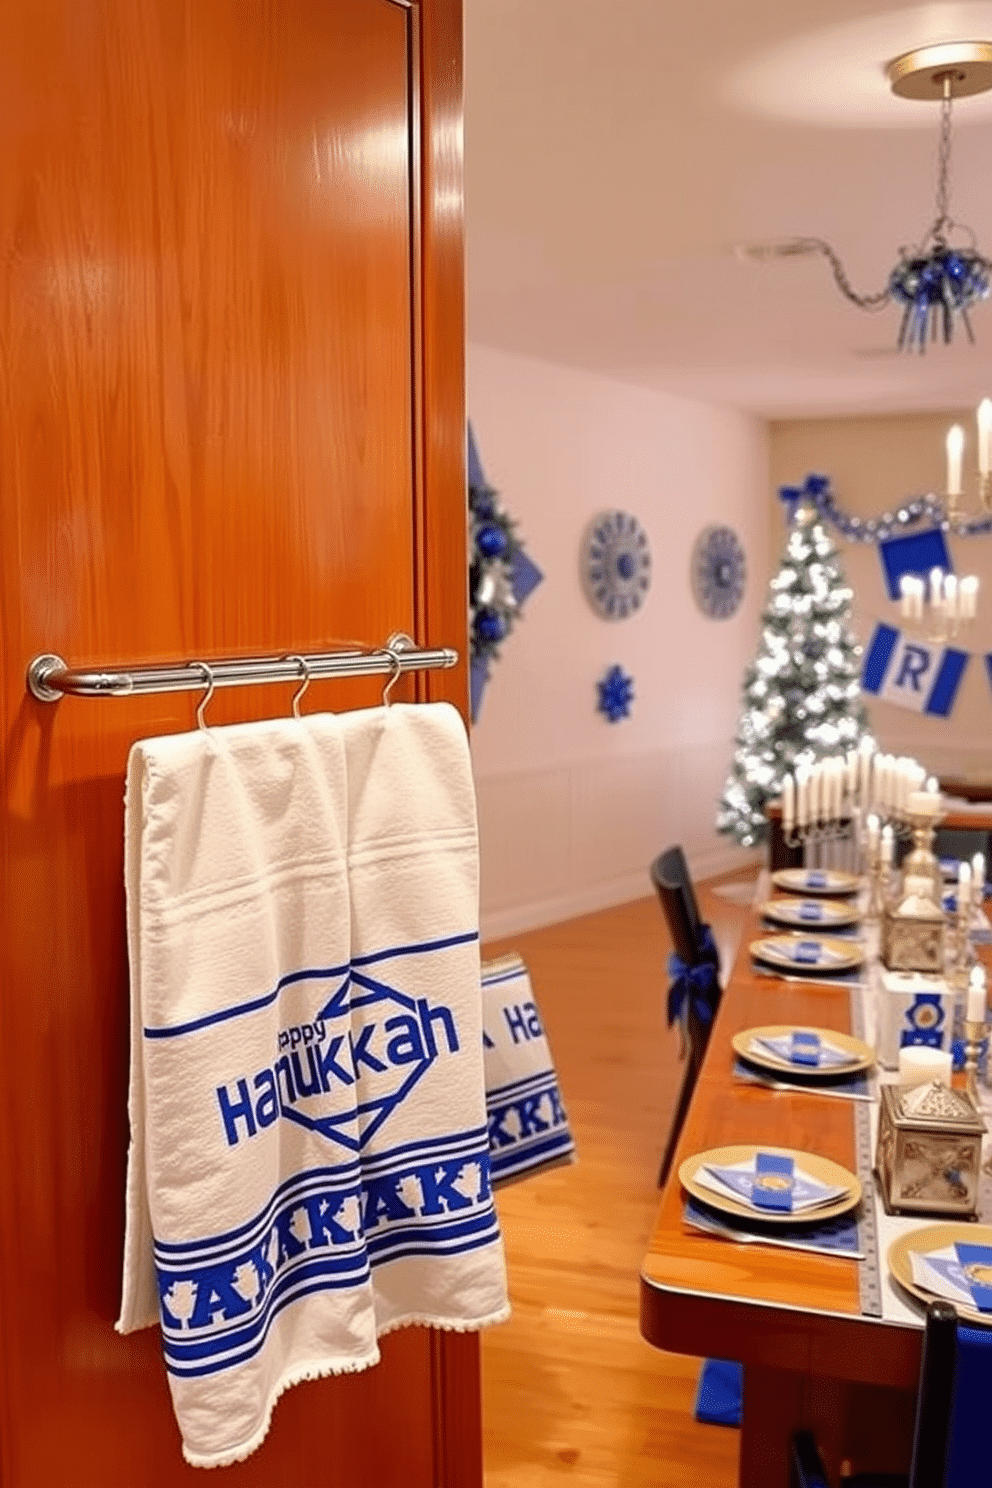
(802, 693)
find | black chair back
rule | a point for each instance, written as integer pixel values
(670, 876)
(672, 880)
(931, 1433)
(936, 1397)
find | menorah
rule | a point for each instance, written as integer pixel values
(848, 798)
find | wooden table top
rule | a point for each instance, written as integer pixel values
(761, 1304)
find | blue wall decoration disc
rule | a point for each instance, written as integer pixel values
(616, 564)
(719, 572)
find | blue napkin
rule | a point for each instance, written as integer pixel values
(810, 911)
(976, 1266)
(720, 1396)
(816, 879)
(806, 951)
(773, 1181)
(805, 1048)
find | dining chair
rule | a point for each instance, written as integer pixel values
(949, 1442)
(694, 967)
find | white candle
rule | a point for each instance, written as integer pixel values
(918, 1065)
(886, 844)
(969, 597)
(802, 797)
(815, 780)
(955, 449)
(886, 769)
(852, 773)
(951, 597)
(978, 876)
(872, 825)
(923, 803)
(932, 785)
(976, 1007)
(936, 586)
(788, 802)
(984, 421)
(964, 890)
(918, 588)
(906, 597)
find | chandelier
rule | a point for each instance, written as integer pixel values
(939, 279)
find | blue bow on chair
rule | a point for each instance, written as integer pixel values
(694, 988)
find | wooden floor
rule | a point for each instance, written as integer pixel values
(572, 1393)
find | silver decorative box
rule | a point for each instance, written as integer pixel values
(929, 1153)
(913, 934)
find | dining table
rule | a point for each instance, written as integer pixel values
(818, 1350)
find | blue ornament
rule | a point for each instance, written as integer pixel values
(489, 628)
(616, 693)
(491, 540)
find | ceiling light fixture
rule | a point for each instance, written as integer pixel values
(938, 279)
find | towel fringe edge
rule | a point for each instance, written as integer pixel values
(292, 1377)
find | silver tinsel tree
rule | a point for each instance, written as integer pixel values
(802, 693)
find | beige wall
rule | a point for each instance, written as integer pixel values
(572, 808)
(875, 464)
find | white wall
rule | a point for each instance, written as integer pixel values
(875, 464)
(573, 808)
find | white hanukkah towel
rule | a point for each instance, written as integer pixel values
(244, 1181)
(528, 1124)
(430, 1225)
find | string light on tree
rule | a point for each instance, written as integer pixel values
(802, 693)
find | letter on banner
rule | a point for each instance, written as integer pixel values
(913, 674)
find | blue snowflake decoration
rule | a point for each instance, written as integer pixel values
(616, 693)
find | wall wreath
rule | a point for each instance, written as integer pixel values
(500, 575)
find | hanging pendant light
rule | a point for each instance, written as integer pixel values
(938, 280)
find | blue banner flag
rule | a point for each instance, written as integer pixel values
(913, 674)
(915, 554)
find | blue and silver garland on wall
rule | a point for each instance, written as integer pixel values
(816, 490)
(500, 575)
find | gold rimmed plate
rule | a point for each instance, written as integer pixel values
(810, 914)
(861, 1056)
(820, 1168)
(816, 881)
(817, 954)
(926, 1240)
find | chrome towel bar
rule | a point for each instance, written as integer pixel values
(49, 678)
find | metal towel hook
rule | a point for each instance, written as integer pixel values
(304, 666)
(396, 660)
(208, 692)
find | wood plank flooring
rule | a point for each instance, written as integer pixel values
(572, 1394)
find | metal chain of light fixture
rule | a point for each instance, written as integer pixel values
(944, 158)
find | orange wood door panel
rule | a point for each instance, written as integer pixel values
(221, 240)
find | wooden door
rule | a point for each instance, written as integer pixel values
(231, 422)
